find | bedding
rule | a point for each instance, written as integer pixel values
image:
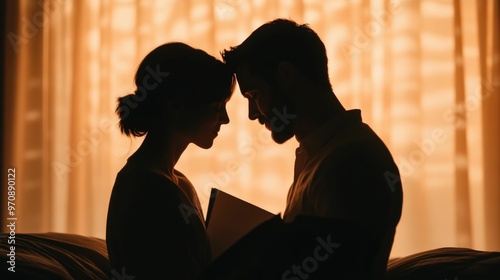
(54, 256)
(446, 263)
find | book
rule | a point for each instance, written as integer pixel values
(230, 218)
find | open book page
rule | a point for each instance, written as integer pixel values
(230, 218)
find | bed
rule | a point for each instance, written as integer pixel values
(54, 256)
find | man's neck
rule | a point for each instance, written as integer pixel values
(312, 115)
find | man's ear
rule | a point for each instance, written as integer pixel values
(286, 75)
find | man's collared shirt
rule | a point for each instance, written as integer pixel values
(342, 156)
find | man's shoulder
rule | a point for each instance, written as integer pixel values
(361, 162)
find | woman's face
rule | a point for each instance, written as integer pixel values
(204, 123)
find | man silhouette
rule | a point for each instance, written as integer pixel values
(343, 170)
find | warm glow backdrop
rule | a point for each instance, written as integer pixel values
(424, 73)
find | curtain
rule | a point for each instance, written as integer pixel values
(424, 73)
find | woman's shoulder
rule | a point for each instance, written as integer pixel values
(145, 181)
(140, 173)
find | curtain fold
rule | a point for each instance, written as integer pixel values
(425, 74)
(462, 207)
(489, 25)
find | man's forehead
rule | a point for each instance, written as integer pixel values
(246, 80)
(243, 76)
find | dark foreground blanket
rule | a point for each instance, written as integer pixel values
(446, 264)
(54, 256)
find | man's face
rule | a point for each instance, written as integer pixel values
(267, 104)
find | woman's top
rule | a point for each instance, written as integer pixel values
(155, 226)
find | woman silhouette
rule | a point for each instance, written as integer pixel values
(155, 225)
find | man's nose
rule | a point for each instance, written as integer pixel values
(225, 117)
(253, 113)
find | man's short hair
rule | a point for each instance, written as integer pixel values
(280, 40)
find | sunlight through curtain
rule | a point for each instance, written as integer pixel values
(424, 73)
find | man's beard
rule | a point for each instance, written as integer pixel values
(282, 136)
(282, 121)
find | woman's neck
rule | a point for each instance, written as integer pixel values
(161, 151)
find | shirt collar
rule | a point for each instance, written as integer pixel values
(325, 132)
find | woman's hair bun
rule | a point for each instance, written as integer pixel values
(133, 120)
